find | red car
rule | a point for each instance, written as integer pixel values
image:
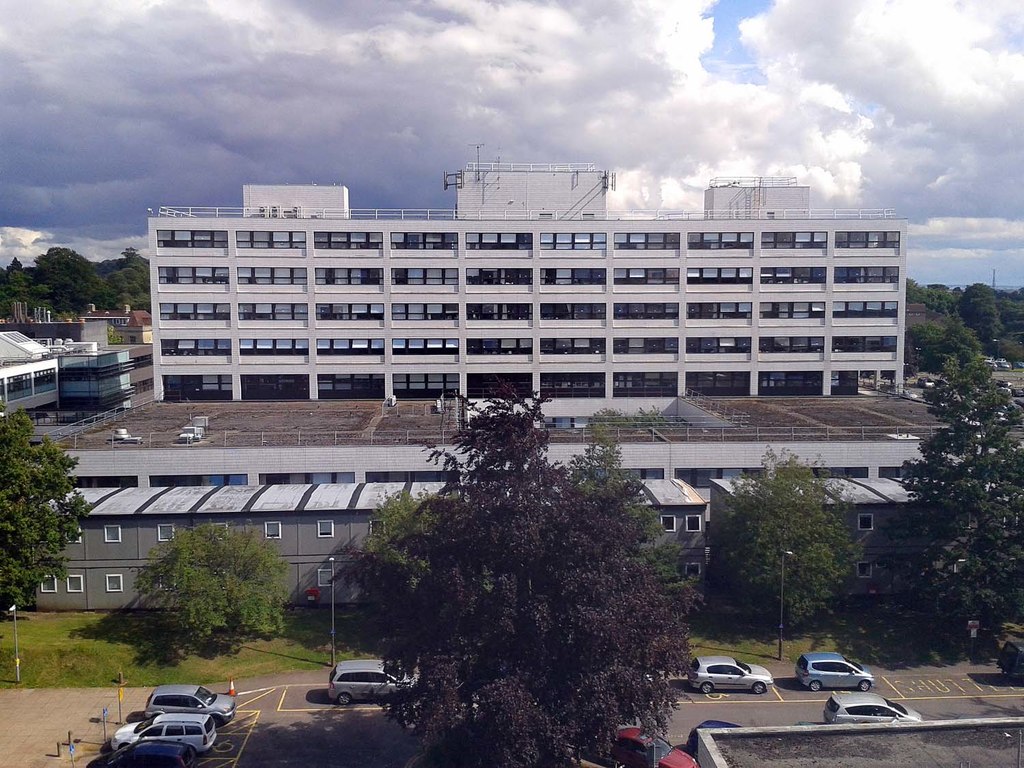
(635, 749)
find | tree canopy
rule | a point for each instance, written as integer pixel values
(934, 344)
(785, 508)
(40, 510)
(966, 520)
(219, 585)
(520, 601)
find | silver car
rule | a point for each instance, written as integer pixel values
(359, 680)
(867, 708)
(196, 730)
(832, 670)
(709, 673)
(191, 698)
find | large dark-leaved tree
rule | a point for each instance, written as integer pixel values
(40, 510)
(521, 602)
(966, 519)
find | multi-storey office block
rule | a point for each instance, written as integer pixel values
(531, 280)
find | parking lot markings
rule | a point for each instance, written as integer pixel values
(777, 694)
(257, 698)
(898, 691)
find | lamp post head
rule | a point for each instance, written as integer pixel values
(330, 559)
(786, 552)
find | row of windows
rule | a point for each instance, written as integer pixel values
(165, 531)
(176, 238)
(524, 276)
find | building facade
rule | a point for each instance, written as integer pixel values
(531, 280)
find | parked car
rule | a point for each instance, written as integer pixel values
(359, 680)
(832, 670)
(691, 741)
(1011, 658)
(193, 699)
(152, 754)
(708, 673)
(635, 749)
(867, 708)
(196, 730)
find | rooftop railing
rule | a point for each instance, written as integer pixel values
(448, 214)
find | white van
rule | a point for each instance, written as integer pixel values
(199, 731)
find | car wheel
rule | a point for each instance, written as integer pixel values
(190, 755)
(864, 685)
(759, 687)
(707, 687)
(344, 698)
(814, 685)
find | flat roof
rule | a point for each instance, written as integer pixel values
(234, 424)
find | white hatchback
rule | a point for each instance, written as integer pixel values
(867, 708)
(197, 730)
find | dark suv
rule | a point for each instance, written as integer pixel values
(153, 754)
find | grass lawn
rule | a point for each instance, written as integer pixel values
(89, 649)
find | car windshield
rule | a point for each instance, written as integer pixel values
(744, 667)
(207, 697)
(899, 708)
(695, 664)
(854, 664)
(145, 724)
(660, 748)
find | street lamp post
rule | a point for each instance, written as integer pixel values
(17, 658)
(782, 597)
(333, 643)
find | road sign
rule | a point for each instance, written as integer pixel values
(71, 746)
(120, 693)
(974, 625)
(105, 713)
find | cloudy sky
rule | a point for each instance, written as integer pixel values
(114, 106)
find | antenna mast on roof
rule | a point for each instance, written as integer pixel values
(478, 158)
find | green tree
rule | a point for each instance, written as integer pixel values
(521, 602)
(980, 312)
(68, 279)
(938, 298)
(40, 510)
(218, 585)
(127, 279)
(966, 520)
(785, 508)
(934, 344)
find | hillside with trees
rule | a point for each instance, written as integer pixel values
(66, 283)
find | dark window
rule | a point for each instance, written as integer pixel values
(424, 311)
(719, 275)
(645, 384)
(573, 276)
(572, 385)
(844, 383)
(713, 241)
(573, 311)
(715, 345)
(865, 521)
(640, 346)
(191, 238)
(272, 275)
(867, 239)
(430, 276)
(499, 241)
(573, 241)
(780, 240)
(254, 239)
(789, 383)
(499, 276)
(195, 311)
(646, 241)
(195, 347)
(350, 346)
(579, 346)
(273, 347)
(273, 311)
(350, 386)
(185, 388)
(350, 311)
(719, 383)
(429, 241)
(348, 240)
(193, 275)
(424, 386)
(718, 310)
(863, 343)
(791, 344)
(865, 308)
(424, 346)
(792, 275)
(646, 276)
(275, 387)
(867, 274)
(792, 310)
(499, 311)
(499, 346)
(647, 311)
(345, 276)
(480, 385)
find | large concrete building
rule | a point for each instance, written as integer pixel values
(531, 280)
